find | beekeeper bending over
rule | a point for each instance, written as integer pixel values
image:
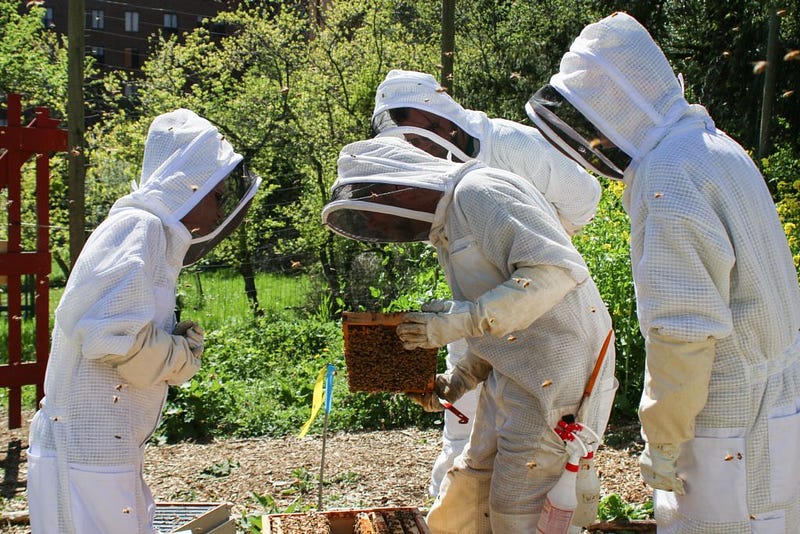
(116, 347)
(717, 291)
(413, 105)
(524, 301)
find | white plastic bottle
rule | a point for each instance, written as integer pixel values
(588, 492)
(559, 507)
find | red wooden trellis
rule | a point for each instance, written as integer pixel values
(18, 144)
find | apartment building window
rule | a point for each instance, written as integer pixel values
(171, 20)
(131, 21)
(132, 58)
(49, 18)
(98, 20)
(98, 53)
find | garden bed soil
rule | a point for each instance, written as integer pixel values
(362, 470)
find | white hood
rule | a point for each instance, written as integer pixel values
(393, 169)
(418, 90)
(185, 157)
(619, 79)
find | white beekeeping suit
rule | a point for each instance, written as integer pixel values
(531, 315)
(113, 353)
(717, 293)
(499, 143)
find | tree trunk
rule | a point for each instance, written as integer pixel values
(248, 272)
(76, 190)
(769, 84)
(448, 45)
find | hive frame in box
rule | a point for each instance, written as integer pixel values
(384, 365)
(344, 521)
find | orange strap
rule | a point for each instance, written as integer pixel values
(598, 365)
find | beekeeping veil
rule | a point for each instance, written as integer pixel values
(185, 159)
(614, 86)
(418, 90)
(387, 191)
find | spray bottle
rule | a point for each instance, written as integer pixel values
(587, 483)
(559, 507)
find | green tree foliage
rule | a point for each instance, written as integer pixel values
(33, 60)
(718, 45)
(351, 51)
(507, 50)
(290, 94)
(33, 64)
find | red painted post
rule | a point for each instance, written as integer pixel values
(17, 145)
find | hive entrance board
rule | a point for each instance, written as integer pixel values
(375, 357)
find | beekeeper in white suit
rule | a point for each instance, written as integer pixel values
(524, 301)
(413, 105)
(717, 293)
(116, 347)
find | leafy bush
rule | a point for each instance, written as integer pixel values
(782, 173)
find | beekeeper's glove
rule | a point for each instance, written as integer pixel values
(658, 466)
(467, 373)
(194, 335)
(451, 386)
(677, 374)
(428, 401)
(509, 307)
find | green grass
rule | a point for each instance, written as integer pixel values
(216, 298)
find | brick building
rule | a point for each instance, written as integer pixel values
(117, 33)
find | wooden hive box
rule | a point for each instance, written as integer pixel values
(362, 521)
(376, 360)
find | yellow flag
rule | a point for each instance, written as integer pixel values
(316, 403)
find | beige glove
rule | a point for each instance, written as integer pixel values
(658, 466)
(467, 373)
(428, 401)
(156, 357)
(677, 374)
(193, 333)
(470, 371)
(509, 307)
